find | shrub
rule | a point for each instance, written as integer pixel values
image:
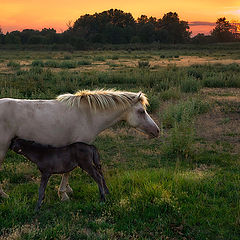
(67, 57)
(171, 93)
(99, 58)
(38, 63)
(84, 62)
(115, 57)
(195, 73)
(190, 85)
(154, 103)
(143, 64)
(13, 64)
(184, 111)
(51, 63)
(68, 64)
(180, 142)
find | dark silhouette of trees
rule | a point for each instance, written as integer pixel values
(176, 30)
(114, 26)
(224, 31)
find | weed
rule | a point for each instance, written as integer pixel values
(190, 85)
(13, 64)
(170, 94)
(143, 64)
(184, 111)
(83, 62)
(180, 142)
(38, 63)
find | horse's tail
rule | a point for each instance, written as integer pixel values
(96, 159)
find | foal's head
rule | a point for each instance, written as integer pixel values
(17, 144)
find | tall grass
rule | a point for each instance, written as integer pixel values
(184, 111)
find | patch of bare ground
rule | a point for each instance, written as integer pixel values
(181, 61)
(222, 123)
(191, 60)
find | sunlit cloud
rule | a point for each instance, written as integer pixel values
(201, 23)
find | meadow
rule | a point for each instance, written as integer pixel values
(183, 185)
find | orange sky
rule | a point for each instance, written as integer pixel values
(37, 14)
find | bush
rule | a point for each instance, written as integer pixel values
(13, 64)
(143, 64)
(190, 85)
(38, 63)
(68, 64)
(184, 111)
(171, 93)
(84, 62)
(154, 104)
(99, 58)
(180, 142)
(51, 63)
(195, 73)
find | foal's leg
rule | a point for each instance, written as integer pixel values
(97, 177)
(98, 167)
(44, 180)
(62, 191)
(99, 170)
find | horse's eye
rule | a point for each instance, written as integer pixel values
(141, 111)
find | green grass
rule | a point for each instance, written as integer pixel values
(184, 111)
(152, 196)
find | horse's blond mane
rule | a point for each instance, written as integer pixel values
(103, 99)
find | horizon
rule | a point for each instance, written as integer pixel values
(201, 17)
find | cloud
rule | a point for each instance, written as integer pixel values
(201, 23)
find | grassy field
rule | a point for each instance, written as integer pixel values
(183, 185)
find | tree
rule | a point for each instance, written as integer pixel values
(146, 28)
(112, 26)
(177, 30)
(223, 32)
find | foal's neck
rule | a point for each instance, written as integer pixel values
(31, 152)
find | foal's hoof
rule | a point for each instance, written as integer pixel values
(64, 196)
(4, 195)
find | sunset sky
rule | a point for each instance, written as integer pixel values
(35, 14)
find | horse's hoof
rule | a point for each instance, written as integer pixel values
(69, 189)
(64, 197)
(4, 195)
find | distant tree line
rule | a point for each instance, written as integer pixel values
(117, 27)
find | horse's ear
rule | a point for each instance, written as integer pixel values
(137, 98)
(139, 95)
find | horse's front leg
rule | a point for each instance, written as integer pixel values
(64, 187)
(3, 151)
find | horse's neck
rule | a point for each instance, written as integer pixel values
(106, 119)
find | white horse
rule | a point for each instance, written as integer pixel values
(70, 118)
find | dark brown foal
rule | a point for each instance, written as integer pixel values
(51, 160)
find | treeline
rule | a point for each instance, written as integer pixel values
(118, 27)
